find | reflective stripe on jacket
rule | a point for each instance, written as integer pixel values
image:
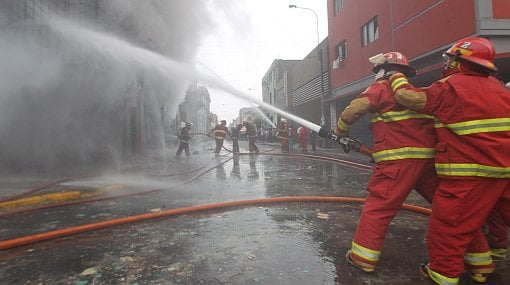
(220, 132)
(398, 133)
(473, 126)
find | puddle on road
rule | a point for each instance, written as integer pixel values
(295, 243)
(279, 244)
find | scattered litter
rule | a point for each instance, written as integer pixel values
(127, 259)
(89, 271)
(81, 282)
(173, 267)
(156, 210)
(323, 216)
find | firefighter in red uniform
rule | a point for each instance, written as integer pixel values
(302, 133)
(251, 132)
(472, 110)
(283, 134)
(403, 149)
(220, 132)
(496, 231)
(497, 236)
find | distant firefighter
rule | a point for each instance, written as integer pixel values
(302, 133)
(184, 138)
(220, 132)
(283, 135)
(251, 132)
(313, 140)
(235, 134)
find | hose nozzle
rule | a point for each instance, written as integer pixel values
(326, 132)
(347, 143)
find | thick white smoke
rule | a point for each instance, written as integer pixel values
(62, 106)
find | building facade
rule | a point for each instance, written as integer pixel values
(309, 85)
(196, 110)
(420, 29)
(275, 86)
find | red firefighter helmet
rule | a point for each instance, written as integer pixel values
(475, 50)
(394, 61)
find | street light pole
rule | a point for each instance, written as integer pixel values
(319, 56)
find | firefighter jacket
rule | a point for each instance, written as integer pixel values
(302, 135)
(251, 131)
(235, 133)
(184, 135)
(220, 132)
(398, 133)
(283, 133)
(473, 124)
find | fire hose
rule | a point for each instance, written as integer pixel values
(235, 150)
(63, 204)
(7, 244)
(119, 221)
(213, 137)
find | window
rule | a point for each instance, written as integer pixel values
(341, 54)
(369, 32)
(339, 4)
(341, 51)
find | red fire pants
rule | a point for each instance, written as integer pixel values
(219, 145)
(284, 144)
(497, 234)
(460, 209)
(388, 187)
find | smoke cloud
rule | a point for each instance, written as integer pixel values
(63, 106)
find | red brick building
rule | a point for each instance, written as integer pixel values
(421, 29)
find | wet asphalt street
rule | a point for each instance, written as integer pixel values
(285, 243)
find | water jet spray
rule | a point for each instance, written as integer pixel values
(124, 51)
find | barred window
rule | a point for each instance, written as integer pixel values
(370, 32)
(341, 51)
(339, 4)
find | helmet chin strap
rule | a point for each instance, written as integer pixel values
(380, 74)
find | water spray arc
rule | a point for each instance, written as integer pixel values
(225, 82)
(230, 89)
(117, 49)
(262, 114)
